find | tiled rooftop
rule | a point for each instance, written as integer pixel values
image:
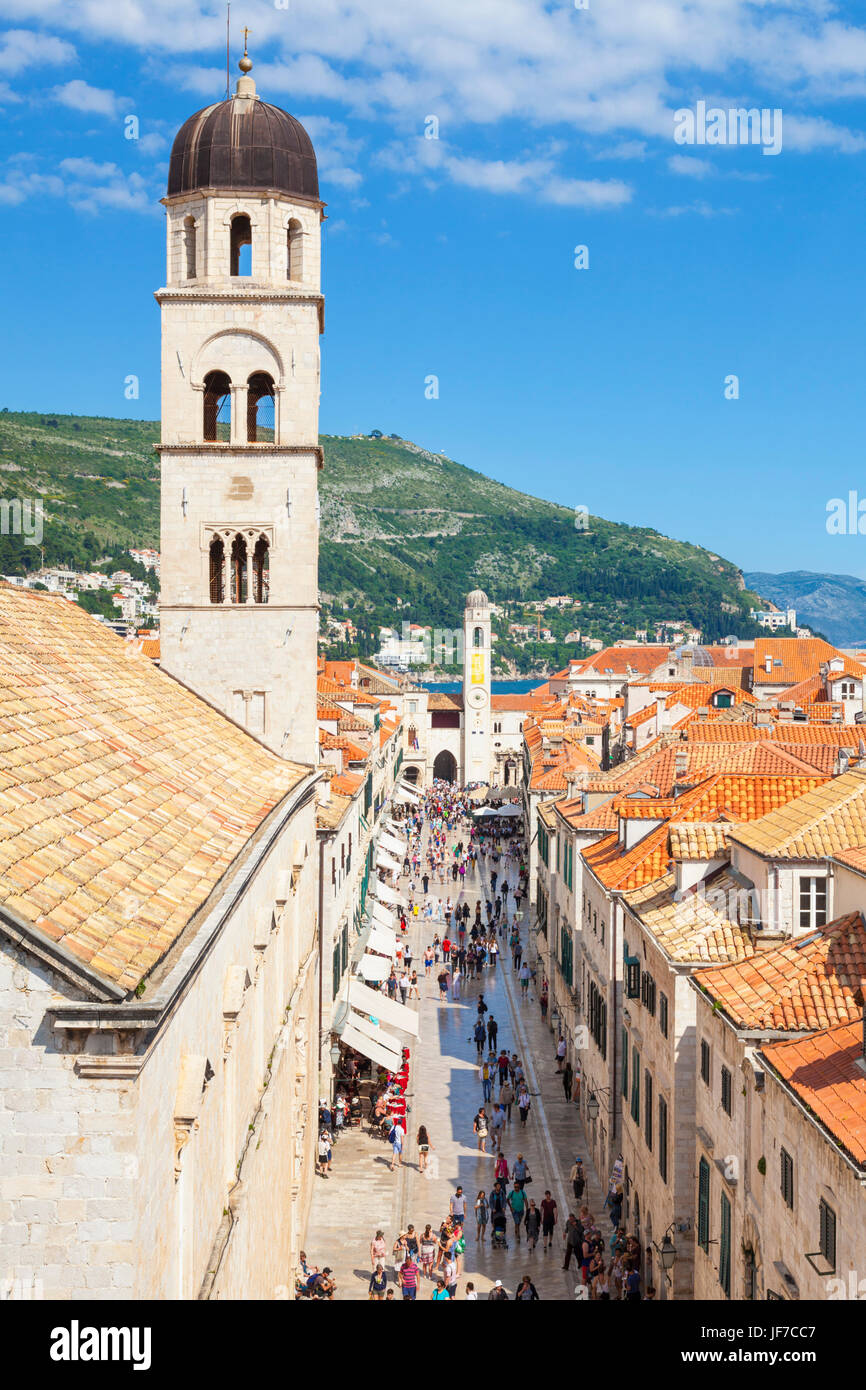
(830, 818)
(123, 797)
(696, 927)
(813, 981)
(825, 1071)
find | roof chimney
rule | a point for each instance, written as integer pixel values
(768, 663)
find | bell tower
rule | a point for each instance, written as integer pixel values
(476, 688)
(242, 313)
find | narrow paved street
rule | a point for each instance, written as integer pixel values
(361, 1194)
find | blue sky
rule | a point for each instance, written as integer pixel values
(455, 256)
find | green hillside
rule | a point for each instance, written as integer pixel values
(398, 522)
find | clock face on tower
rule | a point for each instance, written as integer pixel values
(477, 698)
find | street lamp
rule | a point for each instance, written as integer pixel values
(667, 1254)
(335, 1054)
(592, 1106)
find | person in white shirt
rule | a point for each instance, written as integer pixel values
(560, 1054)
(404, 986)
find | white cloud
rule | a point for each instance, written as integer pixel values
(626, 149)
(86, 184)
(699, 208)
(689, 166)
(23, 50)
(80, 96)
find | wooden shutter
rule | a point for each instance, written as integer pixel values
(704, 1205)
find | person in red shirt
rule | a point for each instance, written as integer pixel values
(548, 1218)
(446, 948)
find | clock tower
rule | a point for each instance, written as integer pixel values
(476, 688)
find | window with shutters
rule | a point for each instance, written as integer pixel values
(827, 1234)
(648, 993)
(635, 1085)
(704, 1205)
(663, 1015)
(597, 1014)
(648, 1109)
(663, 1138)
(632, 978)
(726, 1091)
(625, 1063)
(705, 1062)
(787, 1183)
(725, 1247)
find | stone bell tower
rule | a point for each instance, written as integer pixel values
(476, 688)
(242, 313)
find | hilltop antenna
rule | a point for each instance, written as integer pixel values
(228, 21)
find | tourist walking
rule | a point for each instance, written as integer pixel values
(424, 1147)
(532, 1223)
(524, 1102)
(482, 1215)
(548, 1218)
(480, 1127)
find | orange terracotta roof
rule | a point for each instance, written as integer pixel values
(811, 982)
(648, 860)
(825, 1071)
(641, 657)
(347, 783)
(527, 701)
(853, 858)
(695, 927)
(124, 798)
(830, 818)
(800, 658)
(444, 699)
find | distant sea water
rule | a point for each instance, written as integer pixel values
(497, 687)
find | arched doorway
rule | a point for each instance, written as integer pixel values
(445, 767)
(411, 775)
(510, 771)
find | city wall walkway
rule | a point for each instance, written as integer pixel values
(362, 1195)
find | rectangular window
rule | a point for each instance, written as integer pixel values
(726, 1091)
(705, 1062)
(663, 1138)
(598, 1019)
(725, 1248)
(813, 902)
(827, 1234)
(632, 978)
(635, 1085)
(787, 1183)
(704, 1205)
(648, 1109)
(663, 1015)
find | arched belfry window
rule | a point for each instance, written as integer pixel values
(189, 246)
(239, 570)
(294, 250)
(260, 409)
(241, 245)
(217, 408)
(478, 637)
(261, 570)
(217, 570)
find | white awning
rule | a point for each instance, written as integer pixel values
(373, 1030)
(381, 940)
(374, 967)
(384, 893)
(405, 794)
(388, 862)
(392, 844)
(368, 1048)
(383, 915)
(380, 1006)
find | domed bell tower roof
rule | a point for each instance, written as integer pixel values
(244, 145)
